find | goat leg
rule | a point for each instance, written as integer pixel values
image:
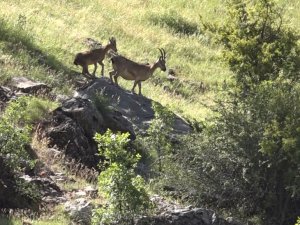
(102, 70)
(111, 74)
(140, 87)
(134, 85)
(95, 68)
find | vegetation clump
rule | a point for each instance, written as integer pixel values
(123, 190)
(247, 160)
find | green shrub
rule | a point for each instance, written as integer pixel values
(258, 44)
(251, 155)
(13, 142)
(248, 159)
(124, 191)
(101, 102)
(16, 125)
(158, 140)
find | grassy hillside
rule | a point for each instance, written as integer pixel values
(39, 39)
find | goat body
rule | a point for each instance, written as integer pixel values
(94, 56)
(130, 70)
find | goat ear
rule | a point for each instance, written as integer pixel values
(112, 40)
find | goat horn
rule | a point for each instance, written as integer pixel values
(164, 56)
(161, 52)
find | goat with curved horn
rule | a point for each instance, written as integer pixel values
(138, 72)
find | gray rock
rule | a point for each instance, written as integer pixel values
(169, 213)
(46, 186)
(137, 109)
(85, 114)
(63, 133)
(80, 211)
(72, 126)
(26, 85)
(6, 94)
(91, 192)
(233, 221)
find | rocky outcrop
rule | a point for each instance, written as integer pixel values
(26, 85)
(135, 108)
(19, 86)
(72, 126)
(196, 216)
(79, 211)
(170, 213)
(49, 191)
(6, 94)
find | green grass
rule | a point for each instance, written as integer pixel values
(39, 39)
(57, 217)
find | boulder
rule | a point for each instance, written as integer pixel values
(6, 94)
(80, 211)
(26, 85)
(170, 213)
(72, 126)
(136, 108)
(65, 134)
(196, 216)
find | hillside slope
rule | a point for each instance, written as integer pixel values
(39, 39)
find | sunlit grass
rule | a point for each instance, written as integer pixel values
(57, 28)
(57, 217)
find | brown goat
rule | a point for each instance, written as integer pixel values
(138, 72)
(94, 56)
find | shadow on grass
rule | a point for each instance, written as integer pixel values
(18, 38)
(175, 23)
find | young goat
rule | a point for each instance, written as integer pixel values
(138, 72)
(94, 56)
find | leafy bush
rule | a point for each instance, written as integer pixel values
(258, 44)
(101, 102)
(158, 140)
(13, 142)
(16, 125)
(124, 191)
(248, 159)
(15, 130)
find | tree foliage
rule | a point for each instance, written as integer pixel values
(258, 44)
(248, 160)
(124, 190)
(159, 136)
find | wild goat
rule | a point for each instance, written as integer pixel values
(138, 72)
(94, 56)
